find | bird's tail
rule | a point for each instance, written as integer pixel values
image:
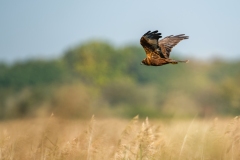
(176, 61)
(186, 61)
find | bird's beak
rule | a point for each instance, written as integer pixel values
(141, 63)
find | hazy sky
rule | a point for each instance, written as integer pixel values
(44, 28)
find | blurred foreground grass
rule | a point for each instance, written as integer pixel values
(98, 78)
(57, 139)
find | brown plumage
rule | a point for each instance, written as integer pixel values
(158, 52)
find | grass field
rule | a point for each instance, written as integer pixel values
(97, 139)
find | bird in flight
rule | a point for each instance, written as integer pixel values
(158, 51)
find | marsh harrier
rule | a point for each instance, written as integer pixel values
(158, 51)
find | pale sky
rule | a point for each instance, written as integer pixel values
(44, 28)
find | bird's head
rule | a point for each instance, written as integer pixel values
(144, 61)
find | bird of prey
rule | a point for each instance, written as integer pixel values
(158, 51)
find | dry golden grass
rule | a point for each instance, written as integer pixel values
(57, 139)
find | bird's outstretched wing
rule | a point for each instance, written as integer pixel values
(166, 44)
(149, 41)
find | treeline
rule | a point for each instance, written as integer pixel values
(98, 78)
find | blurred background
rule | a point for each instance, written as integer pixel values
(79, 58)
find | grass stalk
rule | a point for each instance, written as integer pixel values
(90, 130)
